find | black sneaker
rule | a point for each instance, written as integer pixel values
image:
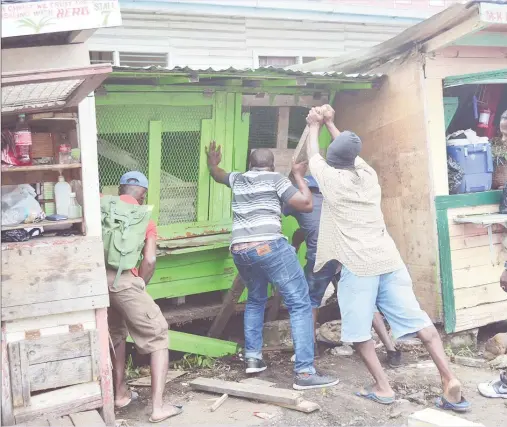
(394, 358)
(309, 381)
(255, 365)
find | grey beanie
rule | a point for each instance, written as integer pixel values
(343, 150)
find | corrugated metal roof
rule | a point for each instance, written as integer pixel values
(373, 57)
(263, 72)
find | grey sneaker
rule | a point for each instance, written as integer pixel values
(255, 365)
(309, 381)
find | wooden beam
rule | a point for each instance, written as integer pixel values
(219, 402)
(282, 135)
(274, 310)
(80, 36)
(284, 101)
(483, 39)
(469, 26)
(248, 391)
(227, 309)
(106, 380)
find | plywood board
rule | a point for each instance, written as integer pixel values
(60, 373)
(29, 276)
(61, 402)
(475, 276)
(479, 295)
(61, 346)
(460, 242)
(476, 257)
(480, 315)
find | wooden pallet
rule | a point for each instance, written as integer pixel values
(80, 419)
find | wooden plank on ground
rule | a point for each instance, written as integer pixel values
(58, 347)
(227, 309)
(87, 419)
(304, 406)
(60, 373)
(60, 421)
(248, 391)
(146, 381)
(82, 397)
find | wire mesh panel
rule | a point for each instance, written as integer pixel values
(123, 145)
(297, 123)
(263, 127)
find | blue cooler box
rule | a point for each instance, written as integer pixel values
(477, 163)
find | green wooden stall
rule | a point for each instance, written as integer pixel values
(159, 121)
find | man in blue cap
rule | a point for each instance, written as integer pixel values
(133, 312)
(318, 282)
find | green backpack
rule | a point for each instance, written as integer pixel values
(123, 232)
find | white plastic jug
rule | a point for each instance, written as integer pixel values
(74, 208)
(62, 196)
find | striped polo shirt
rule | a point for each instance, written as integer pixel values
(257, 199)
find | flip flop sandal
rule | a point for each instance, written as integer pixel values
(133, 396)
(462, 406)
(178, 412)
(371, 395)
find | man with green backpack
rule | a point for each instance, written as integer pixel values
(130, 244)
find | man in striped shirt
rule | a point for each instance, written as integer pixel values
(262, 255)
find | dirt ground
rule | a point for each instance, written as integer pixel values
(417, 381)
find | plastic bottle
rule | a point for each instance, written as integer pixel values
(23, 141)
(74, 208)
(62, 196)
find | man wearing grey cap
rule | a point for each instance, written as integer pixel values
(353, 232)
(133, 312)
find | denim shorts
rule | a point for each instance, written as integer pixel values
(392, 293)
(319, 281)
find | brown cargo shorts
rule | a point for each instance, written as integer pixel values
(132, 311)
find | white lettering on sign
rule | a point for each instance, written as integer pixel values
(46, 16)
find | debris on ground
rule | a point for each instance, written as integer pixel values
(431, 417)
(330, 332)
(495, 346)
(277, 334)
(418, 397)
(472, 362)
(409, 344)
(219, 402)
(402, 408)
(344, 350)
(264, 415)
(499, 362)
(146, 381)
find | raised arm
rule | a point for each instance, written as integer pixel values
(302, 201)
(214, 154)
(328, 116)
(314, 121)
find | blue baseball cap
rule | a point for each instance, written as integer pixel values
(134, 178)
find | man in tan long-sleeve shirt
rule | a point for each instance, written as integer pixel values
(353, 232)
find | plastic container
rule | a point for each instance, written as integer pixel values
(62, 196)
(64, 154)
(48, 193)
(74, 208)
(23, 141)
(477, 163)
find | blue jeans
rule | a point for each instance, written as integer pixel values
(276, 262)
(319, 281)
